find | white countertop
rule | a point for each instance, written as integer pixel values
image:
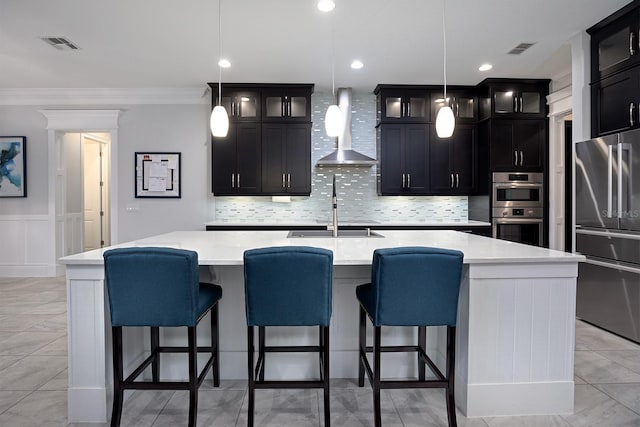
(227, 247)
(358, 223)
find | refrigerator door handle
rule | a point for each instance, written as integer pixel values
(619, 180)
(607, 234)
(613, 266)
(609, 181)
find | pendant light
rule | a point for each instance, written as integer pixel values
(333, 117)
(219, 118)
(445, 121)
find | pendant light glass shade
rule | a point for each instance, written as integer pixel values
(333, 120)
(219, 121)
(445, 122)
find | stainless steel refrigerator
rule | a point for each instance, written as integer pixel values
(608, 232)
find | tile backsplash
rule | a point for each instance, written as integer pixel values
(356, 186)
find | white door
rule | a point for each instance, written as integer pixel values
(92, 195)
(95, 192)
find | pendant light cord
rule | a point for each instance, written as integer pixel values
(219, 52)
(333, 60)
(444, 42)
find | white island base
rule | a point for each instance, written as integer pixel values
(515, 331)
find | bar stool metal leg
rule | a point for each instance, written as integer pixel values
(215, 345)
(261, 358)
(363, 346)
(116, 412)
(324, 332)
(422, 343)
(376, 375)
(155, 343)
(251, 376)
(193, 376)
(451, 351)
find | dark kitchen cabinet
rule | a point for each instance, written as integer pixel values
(236, 161)
(403, 104)
(464, 105)
(615, 42)
(291, 103)
(452, 161)
(286, 158)
(403, 155)
(268, 148)
(242, 104)
(517, 145)
(513, 98)
(615, 103)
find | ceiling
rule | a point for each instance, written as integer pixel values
(174, 44)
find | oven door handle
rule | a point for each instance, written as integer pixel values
(514, 185)
(517, 220)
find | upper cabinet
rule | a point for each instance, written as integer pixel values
(290, 103)
(615, 71)
(513, 98)
(615, 42)
(616, 103)
(403, 104)
(463, 103)
(260, 156)
(242, 104)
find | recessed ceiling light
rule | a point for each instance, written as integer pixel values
(357, 64)
(485, 67)
(326, 5)
(224, 63)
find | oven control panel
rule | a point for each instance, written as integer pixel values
(517, 212)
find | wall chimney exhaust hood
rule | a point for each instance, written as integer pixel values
(344, 155)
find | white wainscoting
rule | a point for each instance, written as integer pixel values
(25, 249)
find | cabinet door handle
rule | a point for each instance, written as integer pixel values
(515, 154)
(632, 48)
(457, 181)
(408, 180)
(288, 180)
(632, 108)
(283, 181)
(238, 180)
(451, 181)
(521, 158)
(408, 109)
(233, 180)
(403, 180)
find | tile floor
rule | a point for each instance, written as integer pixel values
(33, 378)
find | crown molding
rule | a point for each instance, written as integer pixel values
(103, 96)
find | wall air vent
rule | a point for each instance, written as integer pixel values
(520, 48)
(60, 43)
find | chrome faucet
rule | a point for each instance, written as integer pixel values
(334, 202)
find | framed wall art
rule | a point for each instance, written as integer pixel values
(13, 166)
(157, 175)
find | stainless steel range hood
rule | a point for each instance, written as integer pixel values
(344, 155)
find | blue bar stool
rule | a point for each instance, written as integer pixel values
(287, 286)
(159, 287)
(410, 286)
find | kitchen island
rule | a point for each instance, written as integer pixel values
(516, 320)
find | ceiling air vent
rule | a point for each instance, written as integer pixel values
(520, 48)
(60, 43)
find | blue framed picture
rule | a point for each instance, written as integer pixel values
(13, 166)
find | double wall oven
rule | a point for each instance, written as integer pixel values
(518, 207)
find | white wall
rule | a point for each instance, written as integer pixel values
(178, 128)
(174, 128)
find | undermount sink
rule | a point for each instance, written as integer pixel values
(329, 233)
